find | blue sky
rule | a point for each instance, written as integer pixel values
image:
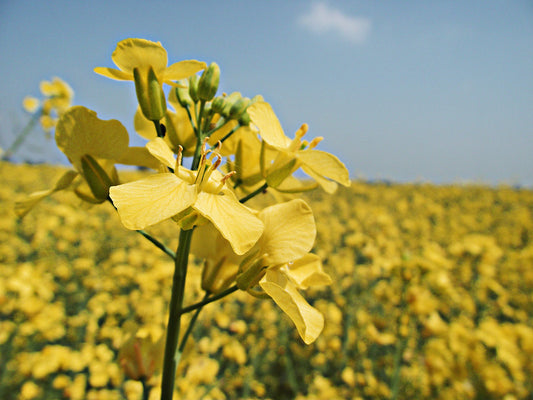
(438, 91)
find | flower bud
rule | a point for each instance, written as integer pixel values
(96, 177)
(217, 105)
(193, 88)
(229, 101)
(239, 107)
(208, 83)
(150, 94)
(182, 93)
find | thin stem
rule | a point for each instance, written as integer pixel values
(171, 357)
(208, 300)
(152, 239)
(189, 328)
(22, 135)
(230, 133)
(158, 244)
(254, 193)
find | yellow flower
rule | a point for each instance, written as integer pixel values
(282, 264)
(324, 168)
(93, 146)
(145, 63)
(151, 200)
(30, 104)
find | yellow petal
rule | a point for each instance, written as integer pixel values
(141, 54)
(151, 200)
(295, 185)
(307, 319)
(114, 74)
(24, 206)
(183, 69)
(328, 186)
(326, 165)
(160, 150)
(234, 221)
(307, 271)
(263, 117)
(79, 131)
(139, 156)
(289, 231)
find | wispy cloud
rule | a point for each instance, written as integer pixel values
(322, 18)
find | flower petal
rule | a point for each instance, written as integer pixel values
(139, 156)
(234, 221)
(160, 150)
(307, 271)
(325, 164)
(79, 131)
(307, 319)
(328, 186)
(114, 74)
(289, 231)
(24, 206)
(140, 53)
(183, 69)
(262, 116)
(151, 200)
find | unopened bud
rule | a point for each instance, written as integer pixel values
(182, 93)
(217, 105)
(238, 108)
(193, 88)
(229, 101)
(208, 83)
(150, 94)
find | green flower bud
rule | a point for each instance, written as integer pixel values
(217, 105)
(238, 108)
(276, 177)
(96, 177)
(182, 93)
(244, 119)
(150, 95)
(229, 101)
(193, 88)
(208, 83)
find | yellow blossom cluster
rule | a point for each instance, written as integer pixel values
(432, 299)
(58, 96)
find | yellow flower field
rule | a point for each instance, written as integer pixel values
(432, 298)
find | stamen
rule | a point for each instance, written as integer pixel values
(179, 158)
(300, 133)
(315, 141)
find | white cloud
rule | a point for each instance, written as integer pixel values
(322, 18)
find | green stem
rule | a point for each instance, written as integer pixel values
(189, 328)
(158, 244)
(22, 135)
(254, 193)
(208, 300)
(171, 357)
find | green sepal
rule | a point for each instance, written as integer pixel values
(276, 177)
(150, 95)
(96, 177)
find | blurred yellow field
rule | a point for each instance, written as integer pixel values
(432, 298)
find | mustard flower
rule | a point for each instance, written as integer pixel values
(180, 193)
(324, 168)
(145, 63)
